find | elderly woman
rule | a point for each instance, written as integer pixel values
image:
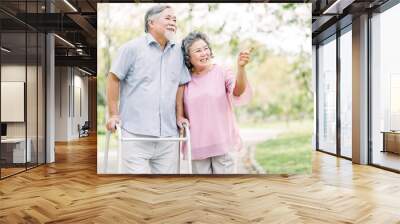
(206, 102)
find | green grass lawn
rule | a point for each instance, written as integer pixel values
(289, 153)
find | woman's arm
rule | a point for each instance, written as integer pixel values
(241, 79)
(180, 114)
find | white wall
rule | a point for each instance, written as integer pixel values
(69, 85)
(14, 73)
(33, 126)
(61, 103)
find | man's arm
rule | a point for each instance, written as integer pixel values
(112, 100)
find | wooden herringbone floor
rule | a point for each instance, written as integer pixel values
(70, 191)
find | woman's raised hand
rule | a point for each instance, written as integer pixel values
(244, 57)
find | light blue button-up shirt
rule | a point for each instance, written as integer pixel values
(149, 79)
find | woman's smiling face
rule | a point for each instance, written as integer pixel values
(200, 55)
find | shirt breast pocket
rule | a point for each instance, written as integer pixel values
(142, 69)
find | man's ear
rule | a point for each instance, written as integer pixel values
(150, 23)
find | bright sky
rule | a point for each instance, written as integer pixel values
(288, 38)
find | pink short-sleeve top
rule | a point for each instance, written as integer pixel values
(208, 104)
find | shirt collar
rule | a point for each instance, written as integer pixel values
(150, 39)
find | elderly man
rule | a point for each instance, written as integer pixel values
(145, 76)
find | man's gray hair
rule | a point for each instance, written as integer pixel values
(187, 43)
(152, 13)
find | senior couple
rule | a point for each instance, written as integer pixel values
(156, 84)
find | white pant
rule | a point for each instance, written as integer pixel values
(214, 165)
(148, 157)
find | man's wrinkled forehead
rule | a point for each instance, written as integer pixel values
(168, 12)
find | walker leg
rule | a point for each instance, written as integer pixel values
(105, 159)
(190, 158)
(179, 156)
(119, 150)
(189, 151)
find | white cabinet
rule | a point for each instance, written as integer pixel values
(18, 149)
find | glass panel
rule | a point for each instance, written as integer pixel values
(41, 98)
(23, 82)
(346, 94)
(17, 9)
(327, 97)
(31, 97)
(386, 89)
(394, 102)
(13, 85)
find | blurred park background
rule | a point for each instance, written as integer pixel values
(277, 125)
